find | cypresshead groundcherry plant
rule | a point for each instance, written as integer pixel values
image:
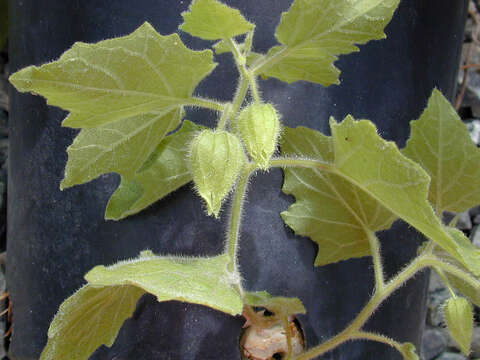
(128, 94)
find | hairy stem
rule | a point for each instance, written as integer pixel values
(242, 68)
(206, 103)
(233, 235)
(445, 281)
(222, 123)
(453, 270)
(239, 96)
(253, 87)
(377, 260)
(355, 326)
(362, 335)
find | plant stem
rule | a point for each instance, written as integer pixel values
(239, 96)
(362, 335)
(253, 87)
(445, 281)
(242, 68)
(349, 332)
(453, 270)
(233, 235)
(222, 123)
(377, 260)
(206, 103)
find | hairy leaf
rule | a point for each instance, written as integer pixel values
(401, 185)
(409, 352)
(121, 146)
(212, 20)
(314, 32)
(165, 171)
(115, 79)
(203, 281)
(468, 290)
(332, 211)
(378, 169)
(459, 319)
(441, 143)
(88, 319)
(94, 315)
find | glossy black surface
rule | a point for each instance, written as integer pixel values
(55, 237)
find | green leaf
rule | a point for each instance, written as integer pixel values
(115, 79)
(459, 319)
(212, 20)
(121, 147)
(165, 171)
(409, 352)
(280, 306)
(314, 32)
(440, 142)
(332, 211)
(203, 281)
(467, 289)
(94, 315)
(401, 185)
(88, 319)
(378, 169)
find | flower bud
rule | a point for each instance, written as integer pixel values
(459, 319)
(216, 158)
(259, 129)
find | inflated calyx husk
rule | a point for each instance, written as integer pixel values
(259, 128)
(216, 158)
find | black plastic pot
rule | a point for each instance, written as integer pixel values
(55, 237)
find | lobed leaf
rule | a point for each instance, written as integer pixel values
(212, 20)
(314, 32)
(88, 319)
(332, 211)
(400, 184)
(440, 142)
(121, 147)
(119, 78)
(459, 319)
(165, 171)
(378, 169)
(93, 316)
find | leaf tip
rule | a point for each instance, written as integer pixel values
(22, 79)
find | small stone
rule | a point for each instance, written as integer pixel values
(434, 342)
(438, 294)
(476, 219)
(474, 130)
(451, 356)
(436, 283)
(474, 211)
(447, 217)
(475, 236)
(464, 222)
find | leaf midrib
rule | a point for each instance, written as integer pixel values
(179, 100)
